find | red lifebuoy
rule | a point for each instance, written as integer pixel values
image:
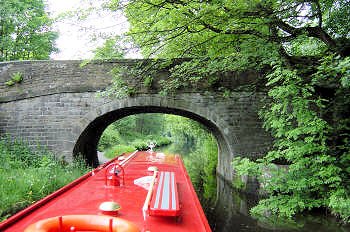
(69, 223)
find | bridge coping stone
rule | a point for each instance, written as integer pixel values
(56, 106)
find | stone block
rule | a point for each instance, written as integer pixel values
(56, 102)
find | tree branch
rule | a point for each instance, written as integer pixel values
(233, 32)
(319, 13)
(316, 32)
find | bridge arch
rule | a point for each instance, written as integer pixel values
(91, 126)
(55, 106)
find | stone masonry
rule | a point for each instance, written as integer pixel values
(55, 106)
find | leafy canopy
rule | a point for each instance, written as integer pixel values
(221, 36)
(302, 47)
(25, 30)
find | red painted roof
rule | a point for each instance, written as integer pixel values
(86, 194)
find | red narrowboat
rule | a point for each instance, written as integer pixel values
(141, 191)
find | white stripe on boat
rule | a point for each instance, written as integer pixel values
(166, 190)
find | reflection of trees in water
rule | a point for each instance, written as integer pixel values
(199, 151)
(230, 212)
(227, 209)
(177, 148)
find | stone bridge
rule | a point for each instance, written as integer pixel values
(55, 106)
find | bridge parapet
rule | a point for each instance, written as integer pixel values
(51, 77)
(42, 78)
(56, 106)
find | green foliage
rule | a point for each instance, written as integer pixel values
(110, 50)
(199, 152)
(28, 175)
(144, 72)
(9, 83)
(338, 19)
(183, 130)
(306, 46)
(316, 169)
(339, 202)
(140, 144)
(149, 124)
(148, 81)
(119, 88)
(201, 165)
(25, 32)
(125, 126)
(243, 166)
(15, 78)
(238, 183)
(284, 206)
(333, 67)
(109, 138)
(118, 150)
(232, 35)
(301, 47)
(135, 131)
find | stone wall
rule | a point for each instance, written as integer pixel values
(56, 106)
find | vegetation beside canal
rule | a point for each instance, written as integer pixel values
(301, 49)
(132, 133)
(172, 134)
(27, 175)
(308, 166)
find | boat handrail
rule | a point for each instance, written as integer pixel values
(129, 157)
(112, 171)
(149, 194)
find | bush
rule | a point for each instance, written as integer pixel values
(28, 175)
(118, 150)
(162, 141)
(201, 166)
(311, 135)
(340, 204)
(109, 138)
(140, 144)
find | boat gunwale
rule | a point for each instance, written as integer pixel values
(25, 212)
(194, 195)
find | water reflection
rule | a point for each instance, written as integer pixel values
(230, 212)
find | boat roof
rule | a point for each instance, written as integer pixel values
(85, 195)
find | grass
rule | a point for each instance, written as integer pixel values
(137, 143)
(28, 175)
(117, 150)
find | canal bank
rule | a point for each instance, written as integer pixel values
(230, 211)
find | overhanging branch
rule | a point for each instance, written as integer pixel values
(233, 32)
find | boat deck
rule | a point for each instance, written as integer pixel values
(85, 195)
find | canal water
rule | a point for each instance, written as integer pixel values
(228, 211)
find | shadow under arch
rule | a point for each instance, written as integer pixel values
(87, 142)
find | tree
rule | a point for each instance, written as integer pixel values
(221, 36)
(111, 49)
(25, 30)
(303, 49)
(173, 29)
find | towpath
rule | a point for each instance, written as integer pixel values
(102, 158)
